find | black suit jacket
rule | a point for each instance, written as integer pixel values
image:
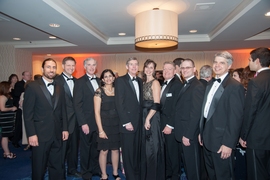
(83, 102)
(127, 105)
(71, 116)
(188, 110)
(41, 116)
(168, 102)
(18, 90)
(225, 116)
(255, 129)
(204, 82)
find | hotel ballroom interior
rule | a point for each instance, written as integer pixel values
(111, 31)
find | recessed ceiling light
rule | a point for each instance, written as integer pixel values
(16, 39)
(52, 37)
(48, 54)
(54, 25)
(267, 14)
(121, 34)
(193, 31)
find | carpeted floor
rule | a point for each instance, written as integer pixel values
(20, 167)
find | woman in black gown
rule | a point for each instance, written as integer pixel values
(7, 118)
(108, 123)
(153, 161)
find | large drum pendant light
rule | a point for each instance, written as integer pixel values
(156, 29)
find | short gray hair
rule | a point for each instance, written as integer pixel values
(206, 71)
(88, 59)
(226, 55)
(130, 59)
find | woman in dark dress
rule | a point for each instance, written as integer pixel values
(7, 118)
(108, 123)
(153, 160)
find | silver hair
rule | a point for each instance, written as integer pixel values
(226, 55)
(206, 71)
(88, 59)
(130, 59)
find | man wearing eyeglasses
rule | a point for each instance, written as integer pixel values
(187, 117)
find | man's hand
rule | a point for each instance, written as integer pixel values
(85, 129)
(243, 143)
(225, 152)
(167, 130)
(200, 140)
(33, 140)
(185, 141)
(129, 127)
(65, 135)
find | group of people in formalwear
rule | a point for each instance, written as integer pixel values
(159, 128)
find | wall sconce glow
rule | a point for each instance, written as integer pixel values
(52, 37)
(267, 14)
(17, 39)
(54, 25)
(156, 29)
(193, 31)
(121, 34)
(48, 54)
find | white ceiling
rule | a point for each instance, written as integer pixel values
(88, 26)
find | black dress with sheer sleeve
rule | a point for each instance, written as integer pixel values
(152, 154)
(7, 120)
(110, 122)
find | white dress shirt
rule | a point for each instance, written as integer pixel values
(136, 86)
(70, 83)
(211, 94)
(93, 82)
(50, 88)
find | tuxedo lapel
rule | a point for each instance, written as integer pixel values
(66, 87)
(89, 84)
(45, 91)
(56, 95)
(163, 96)
(216, 98)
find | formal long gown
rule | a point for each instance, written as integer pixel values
(7, 120)
(153, 155)
(110, 122)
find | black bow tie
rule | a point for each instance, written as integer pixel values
(165, 83)
(218, 80)
(134, 79)
(52, 83)
(92, 78)
(67, 77)
(185, 82)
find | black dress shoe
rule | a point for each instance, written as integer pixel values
(76, 174)
(16, 145)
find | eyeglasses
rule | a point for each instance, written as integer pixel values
(187, 68)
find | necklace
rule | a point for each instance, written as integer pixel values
(109, 92)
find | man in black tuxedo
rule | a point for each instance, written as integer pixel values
(255, 134)
(206, 74)
(45, 122)
(18, 90)
(187, 118)
(84, 91)
(70, 147)
(129, 98)
(177, 63)
(221, 119)
(169, 93)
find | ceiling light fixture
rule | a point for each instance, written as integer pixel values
(156, 29)
(267, 14)
(17, 39)
(193, 31)
(52, 37)
(54, 25)
(121, 34)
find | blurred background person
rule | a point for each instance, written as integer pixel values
(237, 74)
(108, 123)
(18, 89)
(206, 74)
(153, 160)
(177, 63)
(13, 79)
(7, 118)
